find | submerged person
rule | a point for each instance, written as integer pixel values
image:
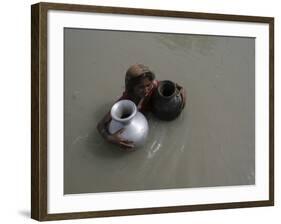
(140, 85)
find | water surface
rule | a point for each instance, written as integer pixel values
(212, 143)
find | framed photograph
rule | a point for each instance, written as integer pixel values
(141, 111)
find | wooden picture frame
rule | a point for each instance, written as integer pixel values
(40, 102)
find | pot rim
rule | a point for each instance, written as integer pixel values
(162, 83)
(118, 104)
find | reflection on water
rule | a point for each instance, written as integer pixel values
(201, 44)
(210, 144)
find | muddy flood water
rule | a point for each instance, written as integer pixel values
(212, 142)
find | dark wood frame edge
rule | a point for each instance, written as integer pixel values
(155, 210)
(39, 110)
(271, 111)
(154, 12)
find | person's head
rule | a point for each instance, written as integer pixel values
(138, 80)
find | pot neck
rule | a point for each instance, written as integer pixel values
(123, 111)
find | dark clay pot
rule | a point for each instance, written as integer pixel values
(167, 101)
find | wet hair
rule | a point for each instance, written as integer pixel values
(135, 74)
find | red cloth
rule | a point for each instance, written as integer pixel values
(146, 105)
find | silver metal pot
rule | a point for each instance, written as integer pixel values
(125, 115)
